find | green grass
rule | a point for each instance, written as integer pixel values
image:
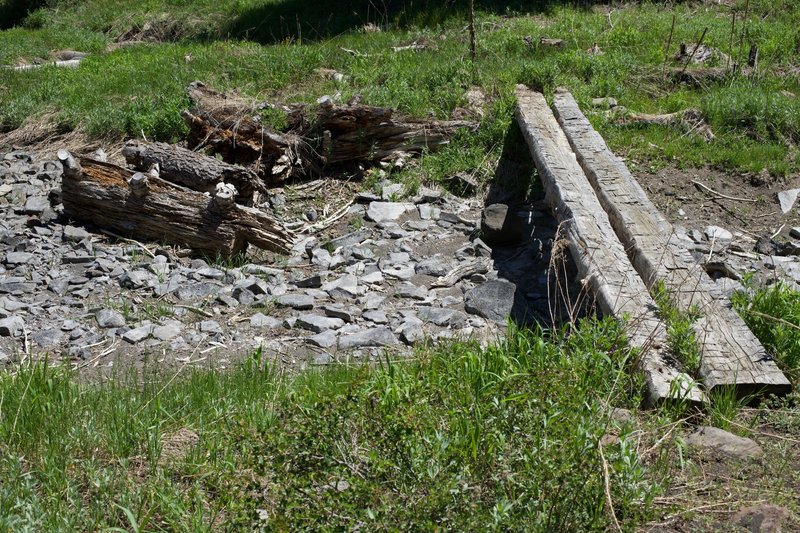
(458, 438)
(254, 46)
(773, 314)
(680, 331)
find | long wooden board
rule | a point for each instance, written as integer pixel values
(600, 257)
(730, 353)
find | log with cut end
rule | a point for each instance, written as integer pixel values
(194, 170)
(731, 356)
(145, 207)
(601, 259)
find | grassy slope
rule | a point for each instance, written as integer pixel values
(140, 90)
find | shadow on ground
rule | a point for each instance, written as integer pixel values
(322, 19)
(538, 264)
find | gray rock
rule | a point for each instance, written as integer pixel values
(210, 326)
(409, 290)
(211, 273)
(718, 234)
(433, 266)
(321, 257)
(259, 320)
(411, 332)
(197, 291)
(296, 301)
(139, 334)
(764, 518)
(442, 317)
(73, 234)
(343, 287)
(429, 212)
(243, 296)
(318, 324)
(499, 227)
(311, 282)
(12, 326)
(718, 441)
(168, 331)
(253, 284)
(387, 211)
(787, 199)
(326, 339)
(35, 205)
(16, 285)
(136, 279)
(351, 239)
(109, 318)
(392, 191)
(374, 337)
(48, 338)
(18, 258)
(337, 311)
(377, 316)
(493, 300)
(372, 277)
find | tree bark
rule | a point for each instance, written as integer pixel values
(192, 169)
(146, 207)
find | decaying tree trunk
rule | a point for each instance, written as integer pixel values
(228, 125)
(144, 206)
(194, 170)
(688, 120)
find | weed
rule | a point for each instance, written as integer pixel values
(680, 332)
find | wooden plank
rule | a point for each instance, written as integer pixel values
(600, 257)
(730, 353)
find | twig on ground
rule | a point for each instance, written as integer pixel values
(196, 310)
(725, 196)
(778, 232)
(607, 486)
(125, 239)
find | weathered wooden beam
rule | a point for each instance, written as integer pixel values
(146, 207)
(194, 170)
(730, 353)
(601, 259)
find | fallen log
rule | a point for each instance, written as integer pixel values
(144, 206)
(333, 133)
(688, 120)
(600, 257)
(194, 170)
(730, 354)
(70, 63)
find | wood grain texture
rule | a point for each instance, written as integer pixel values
(730, 353)
(194, 170)
(601, 259)
(146, 207)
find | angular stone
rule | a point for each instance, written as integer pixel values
(168, 331)
(12, 326)
(312, 282)
(48, 338)
(136, 279)
(345, 286)
(787, 199)
(499, 227)
(433, 266)
(392, 191)
(351, 239)
(259, 320)
(411, 331)
(764, 518)
(296, 301)
(18, 258)
(197, 291)
(109, 318)
(243, 296)
(493, 300)
(718, 234)
(714, 440)
(35, 205)
(253, 284)
(325, 339)
(372, 277)
(318, 324)
(16, 285)
(409, 290)
(441, 316)
(73, 234)
(377, 316)
(137, 335)
(210, 326)
(374, 337)
(336, 311)
(387, 211)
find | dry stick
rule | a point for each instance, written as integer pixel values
(607, 486)
(778, 232)
(694, 51)
(712, 191)
(124, 239)
(730, 40)
(472, 29)
(780, 320)
(669, 40)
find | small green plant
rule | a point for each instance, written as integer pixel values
(680, 332)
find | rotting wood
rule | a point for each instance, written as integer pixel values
(70, 63)
(144, 206)
(600, 257)
(330, 134)
(730, 353)
(194, 170)
(688, 120)
(470, 268)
